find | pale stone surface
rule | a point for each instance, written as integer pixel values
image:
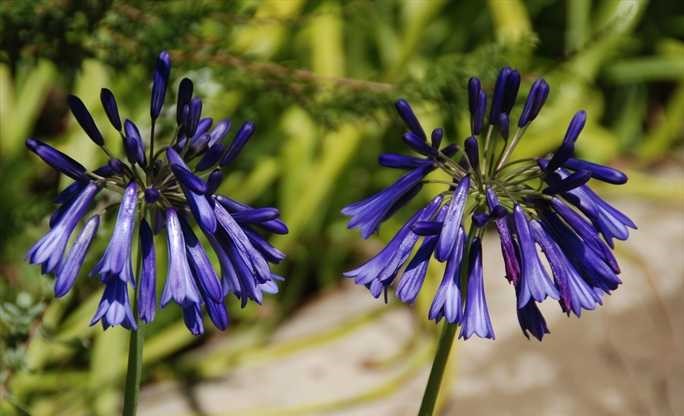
(625, 358)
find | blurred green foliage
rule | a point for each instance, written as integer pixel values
(318, 78)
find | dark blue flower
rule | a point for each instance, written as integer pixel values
(484, 188)
(166, 189)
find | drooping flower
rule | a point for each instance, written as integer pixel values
(160, 190)
(542, 205)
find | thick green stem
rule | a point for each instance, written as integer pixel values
(446, 339)
(134, 372)
(135, 348)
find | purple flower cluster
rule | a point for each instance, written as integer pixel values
(537, 206)
(170, 189)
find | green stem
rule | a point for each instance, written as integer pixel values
(135, 349)
(446, 339)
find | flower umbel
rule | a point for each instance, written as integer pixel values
(172, 188)
(544, 203)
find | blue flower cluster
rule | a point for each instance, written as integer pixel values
(169, 189)
(540, 203)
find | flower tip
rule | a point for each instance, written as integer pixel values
(84, 119)
(406, 113)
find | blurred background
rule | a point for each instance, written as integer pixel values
(319, 77)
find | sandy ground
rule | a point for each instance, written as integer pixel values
(626, 358)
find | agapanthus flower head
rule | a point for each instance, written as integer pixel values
(173, 188)
(541, 206)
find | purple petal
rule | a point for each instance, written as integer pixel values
(118, 251)
(367, 214)
(115, 308)
(406, 113)
(192, 316)
(111, 109)
(184, 96)
(56, 159)
(534, 281)
(68, 270)
(201, 266)
(85, 120)
(475, 319)
(147, 298)
(447, 301)
(600, 172)
(241, 137)
(452, 221)
(180, 285)
(160, 79)
(49, 249)
(575, 293)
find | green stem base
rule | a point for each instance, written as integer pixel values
(446, 339)
(134, 372)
